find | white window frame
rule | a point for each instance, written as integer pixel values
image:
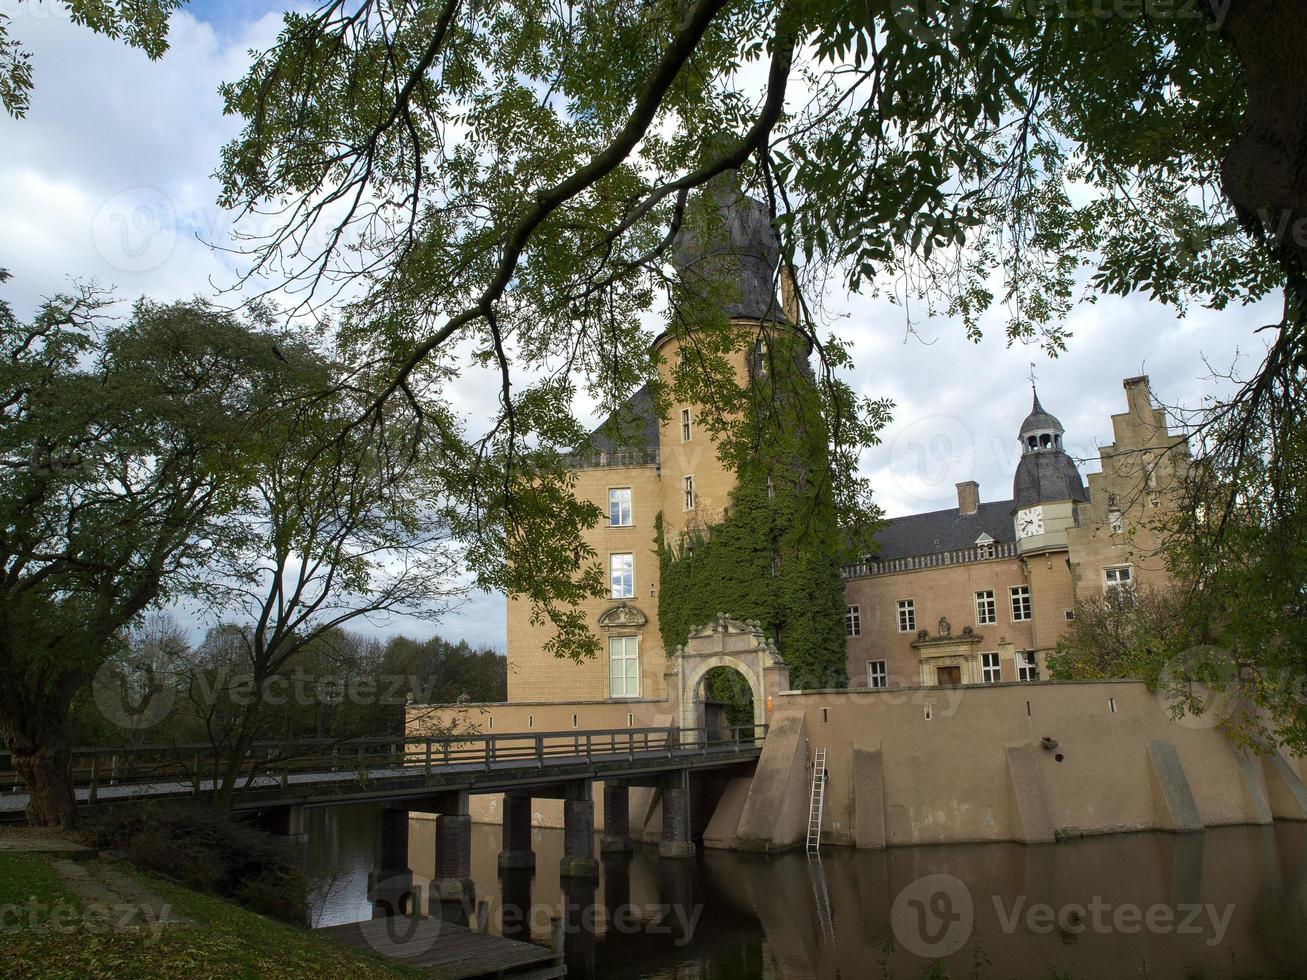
(627, 686)
(1022, 608)
(853, 621)
(986, 607)
(877, 674)
(620, 588)
(687, 429)
(1027, 665)
(1112, 577)
(614, 498)
(991, 669)
(907, 615)
(689, 500)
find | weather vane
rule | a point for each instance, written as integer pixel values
(1032, 374)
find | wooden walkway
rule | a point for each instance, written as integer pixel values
(448, 951)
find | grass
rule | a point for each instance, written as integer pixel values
(228, 942)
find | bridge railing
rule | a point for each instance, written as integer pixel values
(198, 768)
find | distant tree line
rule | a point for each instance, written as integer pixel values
(343, 685)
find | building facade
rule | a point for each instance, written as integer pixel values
(981, 593)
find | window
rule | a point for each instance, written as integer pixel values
(907, 615)
(1027, 666)
(624, 666)
(853, 622)
(689, 493)
(1068, 614)
(1116, 521)
(877, 675)
(621, 576)
(1117, 577)
(1020, 603)
(685, 425)
(619, 507)
(1119, 582)
(986, 608)
(989, 669)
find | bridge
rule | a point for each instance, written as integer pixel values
(438, 776)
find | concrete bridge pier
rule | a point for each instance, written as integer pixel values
(517, 850)
(452, 887)
(579, 916)
(578, 831)
(677, 841)
(515, 903)
(390, 882)
(617, 819)
(286, 821)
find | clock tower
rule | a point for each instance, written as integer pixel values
(1047, 488)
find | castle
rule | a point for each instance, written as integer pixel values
(976, 594)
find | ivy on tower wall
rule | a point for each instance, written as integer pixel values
(774, 555)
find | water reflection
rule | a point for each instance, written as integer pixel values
(1228, 903)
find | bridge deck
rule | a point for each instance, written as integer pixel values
(446, 950)
(397, 770)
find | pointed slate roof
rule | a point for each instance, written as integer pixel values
(1039, 420)
(632, 425)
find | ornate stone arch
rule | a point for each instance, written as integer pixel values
(725, 642)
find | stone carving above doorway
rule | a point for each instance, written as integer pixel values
(725, 642)
(622, 616)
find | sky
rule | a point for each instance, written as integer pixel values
(109, 178)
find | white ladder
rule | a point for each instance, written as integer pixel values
(817, 800)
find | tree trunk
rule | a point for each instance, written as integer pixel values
(225, 791)
(42, 756)
(1264, 173)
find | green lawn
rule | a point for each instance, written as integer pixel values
(229, 942)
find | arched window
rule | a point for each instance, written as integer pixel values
(1046, 441)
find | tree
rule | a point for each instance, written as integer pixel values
(140, 23)
(121, 450)
(983, 154)
(339, 523)
(1128, 633)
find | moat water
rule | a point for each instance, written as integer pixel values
(1231, 902)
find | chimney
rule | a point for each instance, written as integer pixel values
(968, 497)
(1139, 396)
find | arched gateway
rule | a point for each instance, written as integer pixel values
(725, 642)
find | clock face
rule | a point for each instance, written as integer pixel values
(1030, 522)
